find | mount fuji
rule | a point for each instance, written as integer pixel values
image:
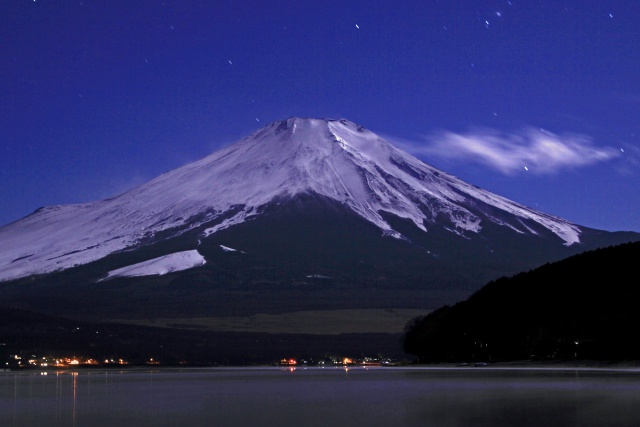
(304, 214)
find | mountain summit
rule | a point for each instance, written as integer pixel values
(335, 159)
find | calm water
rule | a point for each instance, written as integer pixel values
(322, 397)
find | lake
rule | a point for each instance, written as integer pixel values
(333, 396)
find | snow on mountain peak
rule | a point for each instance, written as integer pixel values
(337, 159)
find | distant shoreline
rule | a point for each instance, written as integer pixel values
(523, 365)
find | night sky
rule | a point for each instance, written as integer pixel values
(538, 101)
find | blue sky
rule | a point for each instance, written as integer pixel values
(538, 101)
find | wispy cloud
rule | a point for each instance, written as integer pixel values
(534, 150)
(631, 159)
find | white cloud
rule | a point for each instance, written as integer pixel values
(534, 150)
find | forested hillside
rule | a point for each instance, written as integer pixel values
(583, 307)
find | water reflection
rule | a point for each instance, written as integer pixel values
(75, 395)
(302, 396)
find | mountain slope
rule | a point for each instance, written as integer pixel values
(337, 160)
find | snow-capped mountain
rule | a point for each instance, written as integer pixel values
(335, 159)
(304, 215)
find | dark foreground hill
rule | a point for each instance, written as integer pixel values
(584, 307)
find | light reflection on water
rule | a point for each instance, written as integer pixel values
(320, 397)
